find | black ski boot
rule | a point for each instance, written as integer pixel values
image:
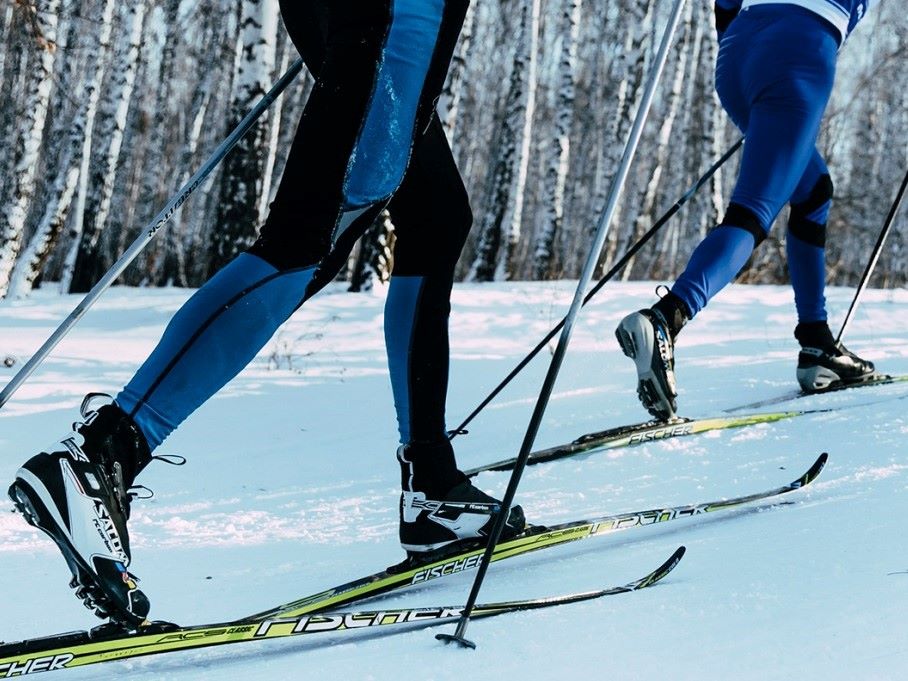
(440, 509)
(648, 338)
(77, 493)
(825, 364)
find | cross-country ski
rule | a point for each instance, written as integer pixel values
(332, 312)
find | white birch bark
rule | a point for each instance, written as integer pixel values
(560, 150)
(30, 264)
(665, 142)
(680, 234)
(630, 71)
(502, 221)
(239, 206)
(179, 239)
(273, 139)
(5, 40)
(84, 127)
(452, 94)
(30, 134)
(111, 129)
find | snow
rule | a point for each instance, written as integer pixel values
(291, 486)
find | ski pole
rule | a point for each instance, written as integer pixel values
(557, 358)
(874, 257)
(626, 258)
(150, 231)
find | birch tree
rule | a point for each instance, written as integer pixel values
(239, 203)
(629, 71)
(82, 129)
(111, 128)
(501, 223)
(665, 148)
(29, 135)
(373, 260)
(560, 150)
(452, 95)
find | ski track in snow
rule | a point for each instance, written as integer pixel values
(291, 486)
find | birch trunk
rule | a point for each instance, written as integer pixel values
(5, 40)
(374, 259)
(665, 143)
(560, 153)
(501, 224)
(112, 128)
(84, 128)
(631, 69)
(29, 138)
(452, 94)
(239, 204)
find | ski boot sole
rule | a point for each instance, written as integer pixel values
(637, 342)
(817, 380)
(415, 558)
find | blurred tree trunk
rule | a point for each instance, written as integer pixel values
(89, 266)
(239, 201)
(41, 17)
(501, 223)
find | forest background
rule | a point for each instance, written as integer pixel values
(109, 107)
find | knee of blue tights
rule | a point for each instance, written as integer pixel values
(807, 220)
(744, 218)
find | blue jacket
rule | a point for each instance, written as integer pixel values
(843, 14)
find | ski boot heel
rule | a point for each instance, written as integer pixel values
(645, 339)
(817, 378)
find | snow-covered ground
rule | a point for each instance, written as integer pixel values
(291, 486)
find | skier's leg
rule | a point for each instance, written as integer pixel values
(806, 240)
(822, 363)
(783, 120)
(431, 215)
(774, 76)
(378, 59)
(340, 173)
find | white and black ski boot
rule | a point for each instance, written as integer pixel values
(77, 492)
(648, 338)
(440, 509)
(825, 364)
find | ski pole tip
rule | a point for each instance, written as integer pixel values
(453, 638)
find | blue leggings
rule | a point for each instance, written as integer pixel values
(774, 75)
(367, 140)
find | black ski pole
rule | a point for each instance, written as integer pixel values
(608, 276)
(150, 231)
(874, 257)
(557, 358)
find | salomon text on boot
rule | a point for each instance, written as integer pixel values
(77, 492)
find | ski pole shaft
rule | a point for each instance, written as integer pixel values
(150, 231)
(608, 276)
(557, 358)
(874, 257)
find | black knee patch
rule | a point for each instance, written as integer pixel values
(799, 224)
(724, 17)
(288, 245)
(744, 218)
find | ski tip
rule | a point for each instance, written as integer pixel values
(815, 470)
(662, 571)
